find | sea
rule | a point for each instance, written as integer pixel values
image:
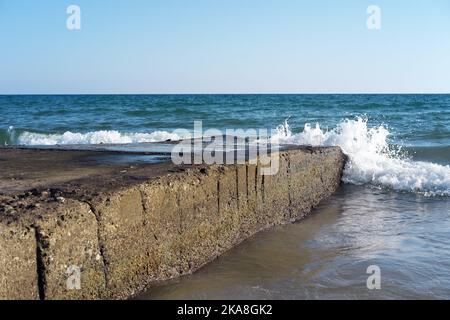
(385, 234)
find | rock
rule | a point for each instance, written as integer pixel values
(8, 208)
(61, 199)
(45, 194)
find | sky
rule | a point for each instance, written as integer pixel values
(226, 46)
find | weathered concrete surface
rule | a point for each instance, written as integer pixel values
(128, 226)
(18, 276)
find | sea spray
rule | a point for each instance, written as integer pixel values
(371, 159)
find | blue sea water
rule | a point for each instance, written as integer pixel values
(377, 131)
(414, 120)
(393, 210)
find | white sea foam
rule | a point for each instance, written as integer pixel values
(95, 137)
(370, 158)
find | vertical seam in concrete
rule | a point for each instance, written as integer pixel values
(289, 173)
(180, 233)
(218, 195)
(40, 265)
(101, 245)
(237, 186)
(246, 180)
(144, 208)
(180, 214)
(263, 189)
(145, 212)
(256, 181)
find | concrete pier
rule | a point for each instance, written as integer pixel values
(124, 225)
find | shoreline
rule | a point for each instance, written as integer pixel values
(129, 224)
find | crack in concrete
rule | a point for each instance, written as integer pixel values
(218, 195)
(289, 173)
(256, 182)
(101, 244)
(237, 187)
(246, 181)
(145, 213)
(180, 215)
(40, 264)
(263, 189)
(144, 208)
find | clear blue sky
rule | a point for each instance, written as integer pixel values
(226, 46)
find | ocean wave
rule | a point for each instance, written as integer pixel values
(95, 137)
(371, 159)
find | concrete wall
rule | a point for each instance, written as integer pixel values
(166, 227)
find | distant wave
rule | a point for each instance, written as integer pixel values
(371, 159)
(95, 137)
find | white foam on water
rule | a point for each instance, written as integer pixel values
(371, 161)
(95, 137)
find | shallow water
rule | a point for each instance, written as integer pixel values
(326, 255)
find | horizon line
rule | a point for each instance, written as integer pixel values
(217, 93)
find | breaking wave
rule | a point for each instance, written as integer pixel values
(95, 137)
(371, 159)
